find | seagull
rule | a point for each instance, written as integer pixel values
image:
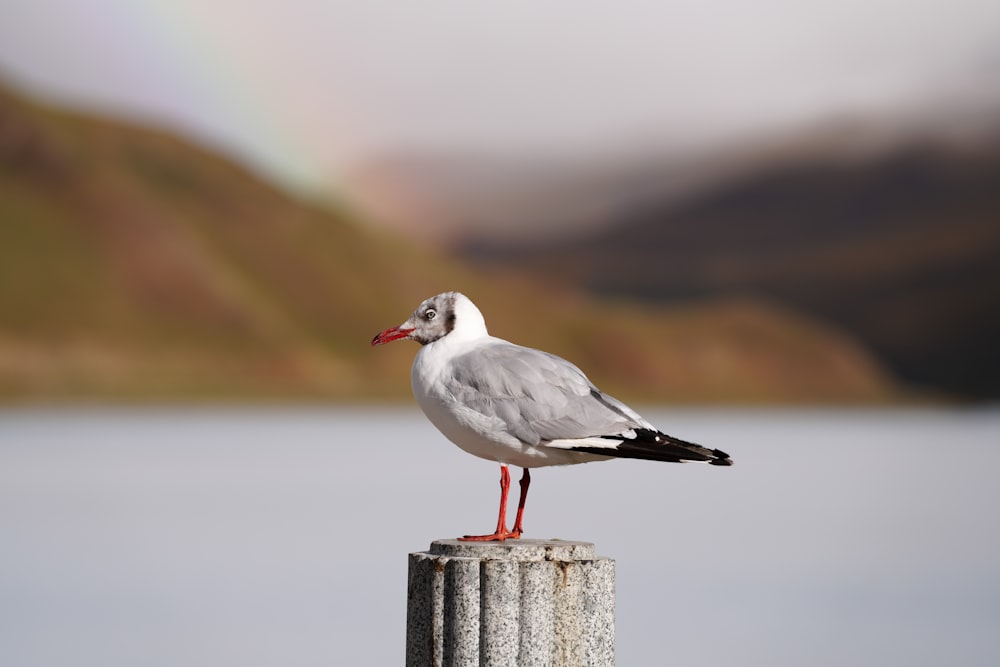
(520, 406)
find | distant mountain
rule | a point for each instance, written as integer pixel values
(444, 198)
(135, 265)
(457, 198)
(899, 246)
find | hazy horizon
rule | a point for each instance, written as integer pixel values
(304, 92)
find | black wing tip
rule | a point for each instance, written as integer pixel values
(720, 458)
(658, 446)
(715, 457)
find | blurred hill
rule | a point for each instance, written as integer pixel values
(136, 265)
(893, 237)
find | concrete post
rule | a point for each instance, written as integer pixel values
(513, 603)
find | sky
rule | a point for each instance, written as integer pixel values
(305, 90)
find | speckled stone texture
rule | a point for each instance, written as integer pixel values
(514, 603)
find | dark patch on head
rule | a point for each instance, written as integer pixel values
(434, 319)
(448, 309)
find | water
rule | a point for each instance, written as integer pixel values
(279, 537)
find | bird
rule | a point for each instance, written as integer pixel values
(520, 406)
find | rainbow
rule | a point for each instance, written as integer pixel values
(217, 72)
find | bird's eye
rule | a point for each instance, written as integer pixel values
(430, 314)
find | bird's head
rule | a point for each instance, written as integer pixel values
(448, 313)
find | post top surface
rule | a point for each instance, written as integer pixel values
(517, 550)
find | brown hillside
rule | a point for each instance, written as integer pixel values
(901, 250)
(135, 265)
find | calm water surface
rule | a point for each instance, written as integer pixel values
(279, 536)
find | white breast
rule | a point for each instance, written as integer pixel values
(466, 428)
(480, 435)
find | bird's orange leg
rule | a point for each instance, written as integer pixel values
(501, 532)
(525, 481)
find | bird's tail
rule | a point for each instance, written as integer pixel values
(656, 446)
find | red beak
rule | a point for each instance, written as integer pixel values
(391, 334)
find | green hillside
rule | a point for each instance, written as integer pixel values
(137, 266)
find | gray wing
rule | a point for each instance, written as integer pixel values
(538, 396)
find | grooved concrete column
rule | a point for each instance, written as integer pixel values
(512, 603)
